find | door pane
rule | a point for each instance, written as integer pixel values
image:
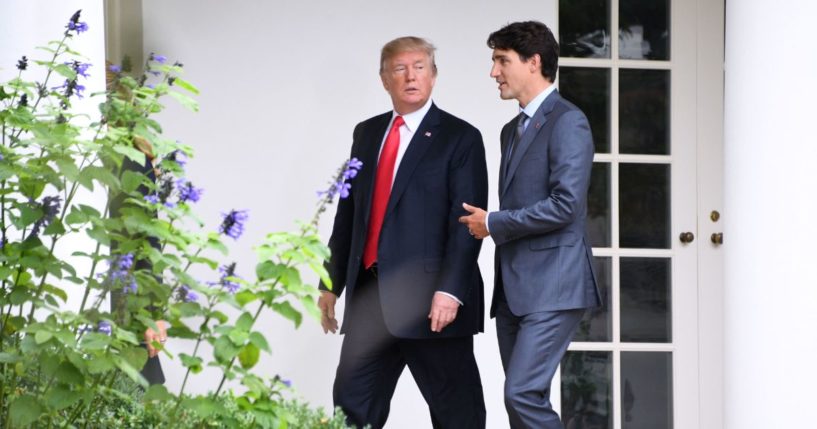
(584, 28)
(644, 111)
(644, 29)
(589, 89)
(597, 324)
(587, 379)
(644, 206)
(598, 205)
(646, 390)
(646, 303)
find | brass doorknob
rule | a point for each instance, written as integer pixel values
(686, 237)
(717, 238)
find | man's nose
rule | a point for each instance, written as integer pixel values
(411, 74)
(494, 71)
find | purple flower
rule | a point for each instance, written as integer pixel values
(159, 58)
(75, 25)
(78, 27)
(188, 192)
(120, 274)
(22, 64)
(104, 327)
(343, 189)
(152, 198)
(287, 383)
(80, 68)
(115, 68)
(339, 186)
(50, 208)
(232, 225)
(228, 272)
(187, 295)
(71, 87)
(178, 157)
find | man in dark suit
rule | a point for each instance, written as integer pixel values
(414, 293)
(544, 276)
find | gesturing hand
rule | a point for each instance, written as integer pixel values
(327, 305)
(475, 221)
(443, 311)
(152, 336)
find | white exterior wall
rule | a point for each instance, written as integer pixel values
(770, 291)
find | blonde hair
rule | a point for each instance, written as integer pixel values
(407, 44)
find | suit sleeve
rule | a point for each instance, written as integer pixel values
(468, 183)
(340, 242)
(570, 156)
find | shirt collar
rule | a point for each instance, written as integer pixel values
(414, 118)
(533, 106)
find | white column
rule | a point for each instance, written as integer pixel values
(771, 225)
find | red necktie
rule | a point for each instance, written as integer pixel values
(382, 190)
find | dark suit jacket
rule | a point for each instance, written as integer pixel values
(543, 256)
(423, 248)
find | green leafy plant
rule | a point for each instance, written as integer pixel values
(77, 366)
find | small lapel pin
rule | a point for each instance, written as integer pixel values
(538, 124)
(428, 133)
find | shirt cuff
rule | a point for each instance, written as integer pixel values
(487, 215)
(449, 295)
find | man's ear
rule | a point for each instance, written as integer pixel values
(535, 63)
(385, 81)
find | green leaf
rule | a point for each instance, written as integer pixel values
(181, 83)
(68, 169)
(95, 341)
(69, 374)
(238, 337)
(131, 372)
(157, 392)
(131, 152)
(32, 188)
(192, 362)
(244, 322)
(135, 356)
(42, 336)
(245, 297)
(131, 180)
(65, 70)
(61, 397)
(260, 341)
(9, 357)
(99, 364)
(25, 410)
(101, 175)
(201, 405)
(248, 356)
(224, 349)
(54, 228)
(287, 310)
(185, 101)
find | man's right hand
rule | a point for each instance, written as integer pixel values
(327, 305)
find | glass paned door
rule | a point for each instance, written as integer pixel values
(632, 363)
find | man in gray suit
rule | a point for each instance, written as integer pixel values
(544, 277)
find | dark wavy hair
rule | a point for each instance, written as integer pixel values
(529, 38)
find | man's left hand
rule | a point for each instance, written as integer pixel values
(159, 337)
(443, 311)
(475, 221)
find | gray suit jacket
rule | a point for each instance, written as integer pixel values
(543, 255)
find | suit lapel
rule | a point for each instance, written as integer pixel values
(537, 122)
(370, 152)
(420, 143)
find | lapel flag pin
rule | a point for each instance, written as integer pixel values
(428, 133)
(538, 124)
